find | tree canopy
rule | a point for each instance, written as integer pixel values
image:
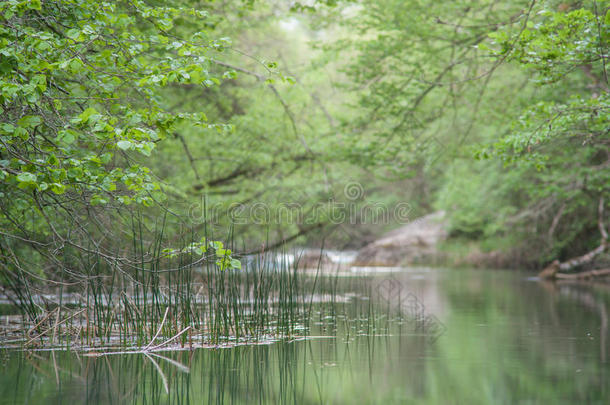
(224, 116)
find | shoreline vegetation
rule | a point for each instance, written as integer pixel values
(185, 299)
(273, 299)
(206, 296)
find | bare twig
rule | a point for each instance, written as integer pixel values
(158, 330)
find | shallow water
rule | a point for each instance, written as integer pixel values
(496, 338)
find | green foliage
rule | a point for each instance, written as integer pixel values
(521, 85)
(74, 98)
(556, 42)
(495, 112)
(83, 109)
(555, 153)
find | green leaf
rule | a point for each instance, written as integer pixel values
(73, 33)
(125, 145)
(85, 115)
(52, 160)
(58, 188)
(76, 65)
(26, 180)
(29, 121)
(34, 4)
(7, 128)
(41, 82)
(67, 136)
(98, 200)
(26, 177)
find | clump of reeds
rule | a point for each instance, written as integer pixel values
(159, 294)
(155, 296)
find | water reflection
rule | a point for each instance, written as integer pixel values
(507, 340)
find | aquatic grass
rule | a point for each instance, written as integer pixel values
(151, 297)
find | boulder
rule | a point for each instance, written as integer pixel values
(415, 242)
(311, 259)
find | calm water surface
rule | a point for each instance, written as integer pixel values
(499, 338)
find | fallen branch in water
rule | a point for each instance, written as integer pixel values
(552, 270)
(163, 378)
(145, 350)
(158, 330)
(584, 275)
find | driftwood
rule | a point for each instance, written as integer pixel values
(583, 275)
(552, 271)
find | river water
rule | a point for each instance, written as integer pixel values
(480, 337)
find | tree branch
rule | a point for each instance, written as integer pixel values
(188, 155)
